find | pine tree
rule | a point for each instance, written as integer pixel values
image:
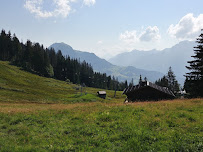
(194, 79)
(17, 49)
(126, 84)
(172, 82)
(169, 81)
(163, 82)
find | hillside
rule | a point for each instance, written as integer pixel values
(176, 57)
(20, 86)
(101, 65)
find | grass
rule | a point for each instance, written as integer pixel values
(40, 114)
(144, 126)
(20, 86)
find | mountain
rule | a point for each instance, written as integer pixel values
(97, 63)
(176, 57)
(101, 65)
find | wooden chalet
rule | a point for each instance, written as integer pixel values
(102, 94)
(146, 91)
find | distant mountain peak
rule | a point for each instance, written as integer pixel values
(101, 65)
(176, 57)
(62, 45)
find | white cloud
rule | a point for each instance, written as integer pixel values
(129, 36)
(89, 2)
(149, 34)
(188, 28)
(100, 42)
(62, 8)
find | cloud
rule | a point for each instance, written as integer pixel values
(188, 28)
(34, 6)
(149, 34)
(129, 36)
(89, 2)
(100, 42)
(61, 7)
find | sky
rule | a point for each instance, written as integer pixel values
(104, 27)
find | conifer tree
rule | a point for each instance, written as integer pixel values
(194, 79)
(169, 81)
(172, 82)
(162, 82)
(126, 84)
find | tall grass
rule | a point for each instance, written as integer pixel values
(158, 126)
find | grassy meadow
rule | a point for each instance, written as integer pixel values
(42, 114)
(20, 86)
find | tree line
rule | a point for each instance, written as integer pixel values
(34, 58)
(169, 81)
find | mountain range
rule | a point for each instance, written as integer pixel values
(176, 57)
(151, 64)
(101, 65)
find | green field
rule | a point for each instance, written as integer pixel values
(20, 86)
(41, 114)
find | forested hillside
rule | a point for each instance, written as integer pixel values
(34, 58)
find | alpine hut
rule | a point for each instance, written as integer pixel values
(146, 91)
(101, 94)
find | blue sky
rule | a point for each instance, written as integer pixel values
(104, 27)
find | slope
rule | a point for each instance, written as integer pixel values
(20, 86)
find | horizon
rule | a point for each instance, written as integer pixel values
(105, 28)
(129, 51)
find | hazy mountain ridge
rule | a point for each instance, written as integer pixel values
(176, 57)
(101, 65)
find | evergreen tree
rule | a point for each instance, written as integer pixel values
(5, 46)
(109, 82)
(194, 79)
(169, 81)
(172, 82)
(17, 49)
(27, 56)
(163, 82)
(126, 84)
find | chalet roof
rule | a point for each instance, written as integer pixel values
(146, 88)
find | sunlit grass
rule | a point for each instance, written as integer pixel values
(20, 86)
(175, 125)
(43, 114)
